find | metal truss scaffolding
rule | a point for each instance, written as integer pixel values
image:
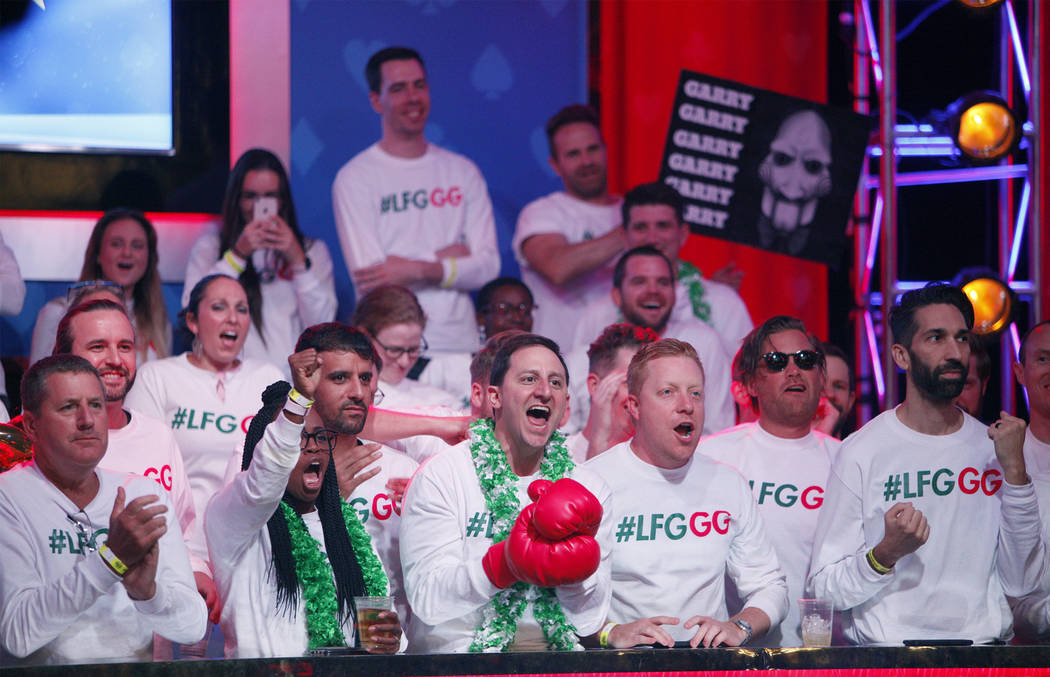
(876, 204)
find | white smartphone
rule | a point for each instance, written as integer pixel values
(265, 207)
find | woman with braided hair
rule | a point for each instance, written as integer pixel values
(288, 554)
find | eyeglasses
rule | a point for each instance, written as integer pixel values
(505, 309)
(77, 291)
(395, 352)
(804, 360)
(84, 537)
(322, 438)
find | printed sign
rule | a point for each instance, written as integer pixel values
(764, 169)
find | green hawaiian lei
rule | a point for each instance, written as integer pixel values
(315, 574)
(690, 276)
(499, 622)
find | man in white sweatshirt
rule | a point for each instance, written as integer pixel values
(928, 524)
(89, 570)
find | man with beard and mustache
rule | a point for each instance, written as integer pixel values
(101, 333)
(839, 393)
(644, 292)
(783, 369)
(565, 242)
(652, 215)
(367, 473)
(479, 575)
(411, 213)
(289, 555)
(928, 524)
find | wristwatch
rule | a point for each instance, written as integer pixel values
(746, 627)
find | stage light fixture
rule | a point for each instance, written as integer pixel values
(980, 4)
(983, 126)
(992, 304)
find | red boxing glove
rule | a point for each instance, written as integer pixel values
(564, 508)
(548, 563)
(496, 566)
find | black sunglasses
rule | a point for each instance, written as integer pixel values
(804, 360)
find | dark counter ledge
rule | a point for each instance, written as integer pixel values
(605, 661)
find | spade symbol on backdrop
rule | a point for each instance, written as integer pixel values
(491, 74)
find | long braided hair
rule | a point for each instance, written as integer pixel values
(349, 579)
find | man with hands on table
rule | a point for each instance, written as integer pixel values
(682, 521)
(288, 554)
(89, 570)
(928, 524)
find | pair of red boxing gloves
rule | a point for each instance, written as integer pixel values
(552, 541)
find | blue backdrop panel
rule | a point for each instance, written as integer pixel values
(497, 70)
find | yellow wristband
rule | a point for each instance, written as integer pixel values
(879, 568)
(603, 637)
(234, 261)
(111, 560)
(451, 273)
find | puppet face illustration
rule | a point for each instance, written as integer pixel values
(796, 171)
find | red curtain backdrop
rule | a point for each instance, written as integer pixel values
(774, 44)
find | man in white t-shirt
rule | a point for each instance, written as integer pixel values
(683, 522)
(477, 577)
(786, 463)
(1032, 614)
(643, 290)
(566, 242)
(928, 524)
(652, 215)
(89, 570)
(411, 213)
(101, 332)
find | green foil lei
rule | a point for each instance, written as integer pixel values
(499, 619)
(690, 276)
(315, 574)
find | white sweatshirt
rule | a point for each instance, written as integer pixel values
(59, 602)
(444, 535)
(678, 534)
(1032, 612)
(787, 478)
(413, 207)
(983, 531)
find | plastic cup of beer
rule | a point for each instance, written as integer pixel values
(816, 615)
(368, 610)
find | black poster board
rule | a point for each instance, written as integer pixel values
(764, 169)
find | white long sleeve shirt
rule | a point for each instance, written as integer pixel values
(559, 307)
(413, 207)
(239, 542)
(59, 602)
(445, 528)
(678, 534)
(291, 301)
(1032, 612)
(787, 478)
(983, 533)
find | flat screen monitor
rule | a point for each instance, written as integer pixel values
(87, 75)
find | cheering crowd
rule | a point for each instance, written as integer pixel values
(620, 458)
